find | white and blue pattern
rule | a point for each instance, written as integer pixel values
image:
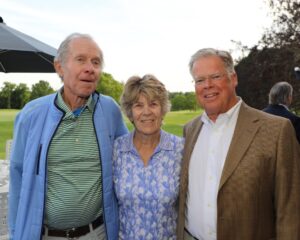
(147, 195)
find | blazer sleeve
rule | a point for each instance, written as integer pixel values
(287, 185)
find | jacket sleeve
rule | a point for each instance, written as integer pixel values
(287, 185)
(115, 121)
(121, 126)
(16, 170)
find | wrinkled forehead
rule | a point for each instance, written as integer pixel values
(83, 46)
(206, 65)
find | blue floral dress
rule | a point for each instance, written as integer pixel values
(147, 195)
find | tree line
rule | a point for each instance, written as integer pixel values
(13, 96)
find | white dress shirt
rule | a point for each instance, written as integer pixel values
(205, 170)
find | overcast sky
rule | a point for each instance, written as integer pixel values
(139, 36)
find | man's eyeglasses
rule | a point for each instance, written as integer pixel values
(214, 77)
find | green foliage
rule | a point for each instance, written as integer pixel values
(191, 101)
(14, 96)
(183, 101)
(6, 94)
(285, 29)
(178, 102)
(42, 88)
(109, 86)
(20, 96)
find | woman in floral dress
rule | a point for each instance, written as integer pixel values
(146, 164)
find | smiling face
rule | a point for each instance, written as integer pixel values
(80, 70)
(146, 116)
(215, 94)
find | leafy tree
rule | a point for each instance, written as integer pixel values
(6, 94)
(285, 29)
(260, 70)
(183, 101)
(20, 96)
(2, 101)
(178, 102)
(285, 33)
(42, 88)
(109, 86)
(274, 57)
(191, 102)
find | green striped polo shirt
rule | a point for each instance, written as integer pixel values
(74, 190)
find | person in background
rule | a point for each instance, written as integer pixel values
(280, 98)
(61, 162)
(146, 164)
(240, 174)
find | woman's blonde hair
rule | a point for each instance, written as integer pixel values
(150, 87)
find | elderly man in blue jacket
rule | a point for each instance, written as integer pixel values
(60, 167)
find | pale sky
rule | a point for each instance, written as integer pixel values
(139, 36)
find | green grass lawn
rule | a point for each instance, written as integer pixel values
(6, 128)
(173, 123)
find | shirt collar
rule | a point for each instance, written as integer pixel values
(165, 142)
(285, 106)
(223, 116)
(90, 104)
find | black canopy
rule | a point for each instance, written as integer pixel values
(22, 53)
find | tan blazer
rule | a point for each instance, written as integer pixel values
(259, 191)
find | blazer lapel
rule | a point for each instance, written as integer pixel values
(192, 134)
(245, 130)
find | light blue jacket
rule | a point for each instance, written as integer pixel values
(34, 128)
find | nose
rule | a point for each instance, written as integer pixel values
(89, 67)
(146, 109)
(207, 83)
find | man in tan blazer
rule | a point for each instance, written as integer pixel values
(241, 174)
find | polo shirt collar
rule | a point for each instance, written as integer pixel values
(90, 104)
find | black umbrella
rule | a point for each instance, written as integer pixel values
(22, 53)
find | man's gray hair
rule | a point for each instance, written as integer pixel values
(207, 52)
(63, 49)
(281, 93)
